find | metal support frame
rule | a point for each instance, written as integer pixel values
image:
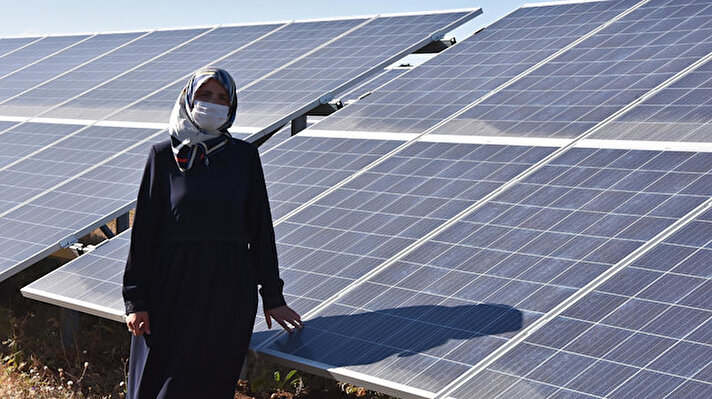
(122, 223)
(298, 124)
(324, 109)
(436, 46)
(107, 231)
(69, 323)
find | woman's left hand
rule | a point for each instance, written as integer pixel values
(283, 315)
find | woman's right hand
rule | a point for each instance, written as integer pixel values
(138, 323)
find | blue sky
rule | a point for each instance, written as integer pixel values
(38, 17)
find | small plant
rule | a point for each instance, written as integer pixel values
(277, 385)
(349, 389)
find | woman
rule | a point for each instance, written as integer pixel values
(202, 241)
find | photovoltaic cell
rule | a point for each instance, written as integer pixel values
(276, 139)
(646, 332)
(248, 64)
(23, 139)
(8, 45)
(38, 73)
(36, 51)
(279, 137)
(343, 61)
(545, 238)
(41, 99)
(681, 112)
(61, 161)
(304, 167)
(372, 84)
(175, 65)
(467, 71)
(114, 186)
(353, 229)
(53, 196)
(88, 283)
(5, 125)
(572, 93)
(523, 253)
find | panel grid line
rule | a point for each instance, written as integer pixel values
(498, 191)
(521, 336)
(122, 74)
(93, 123)
(463, 110)
(113, 78)
(95, 166)
(477, 204)
(25, 45)
(308, 53)
(349, 83)
(72, 69)
(47, 56)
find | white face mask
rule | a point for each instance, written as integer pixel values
(209, 116)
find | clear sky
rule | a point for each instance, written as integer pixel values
(38, 17)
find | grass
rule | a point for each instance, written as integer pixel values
(35, 364)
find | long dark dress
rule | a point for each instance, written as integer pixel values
(201, 243)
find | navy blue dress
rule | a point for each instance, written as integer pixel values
(201, 243)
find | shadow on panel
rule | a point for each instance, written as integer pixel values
(369, 337)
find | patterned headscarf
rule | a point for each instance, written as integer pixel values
(188, 140)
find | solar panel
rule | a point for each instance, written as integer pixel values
(276, 139)
(55, 92)
(279, 137)
(23, 139)
(350, 231)
(643, 333)
(36, 51)
(473, 67)
(63, 192)
(590, 82)
(35, 74)
(115, 188)
(247, 64)
(61, 161)
(177, 64)
(28, 171)
(680, 113)
(5, 125)
(8, 45)
(529, 249)
(307, 166)
(339, 64)
(88, 283)
(372, 84)
(409, 282)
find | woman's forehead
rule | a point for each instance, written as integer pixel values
(211, 84)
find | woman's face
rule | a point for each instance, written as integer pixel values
(212, 92)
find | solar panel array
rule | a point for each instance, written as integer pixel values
(54, 173)
(524, 215)
(473, 67)
(54, 196)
